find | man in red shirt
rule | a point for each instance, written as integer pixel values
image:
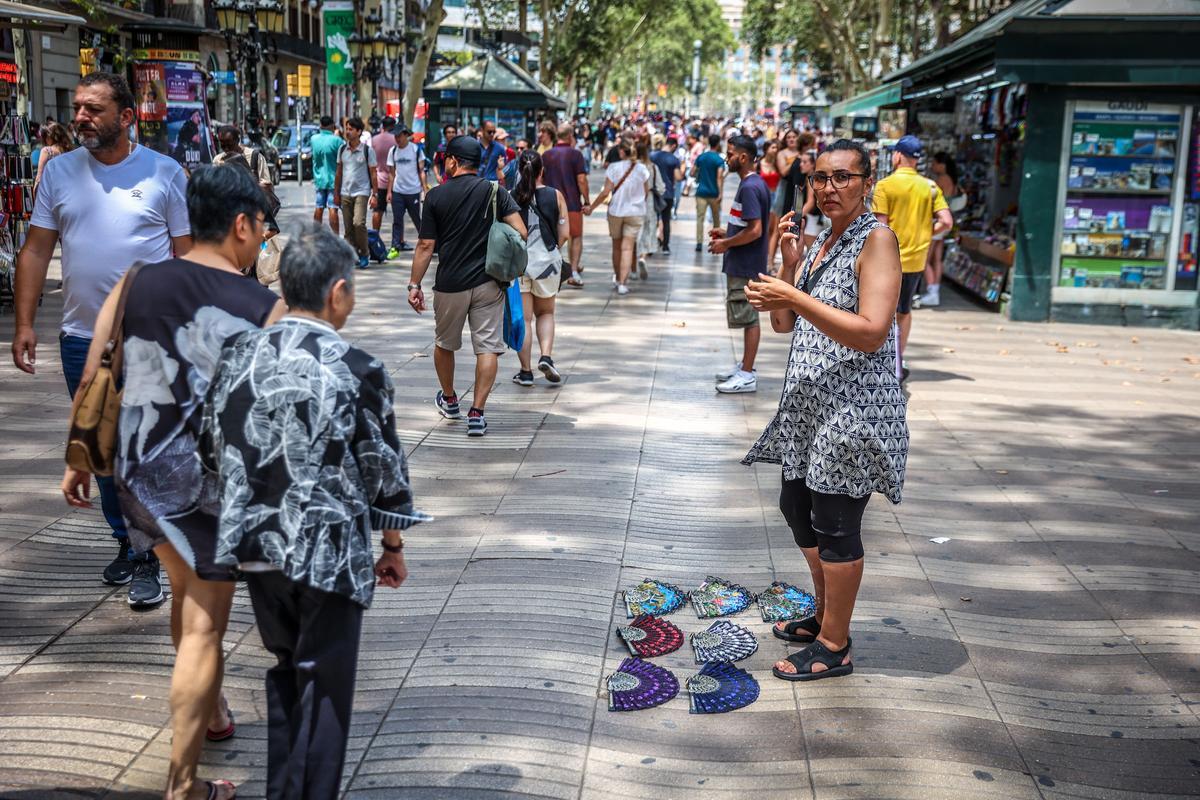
(564, 168)
(382, 143)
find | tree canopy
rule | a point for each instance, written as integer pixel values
(853, 43)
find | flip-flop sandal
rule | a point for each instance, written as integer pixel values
(792, 631)
(816, 653)
(214, 789)
(227, 733)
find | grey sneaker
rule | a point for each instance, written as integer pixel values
(741, 382)
(725, 375)
(145, 587)
(476, 424)
(448, 406)
(120, 569)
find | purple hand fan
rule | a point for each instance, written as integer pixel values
(717, 597)
(721, 687)
(649, 636)
(781, 601)
(639, 684)
(654, 598)
(723, 641)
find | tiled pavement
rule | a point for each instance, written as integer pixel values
(1050, 648)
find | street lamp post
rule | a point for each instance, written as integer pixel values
(695, 84)
(372, 49)
(244, 23)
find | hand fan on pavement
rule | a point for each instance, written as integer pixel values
(781, 601)
(723, 641)
(653, 597)
(717, 597)
(638, 684)
(649, 636)
(721, 687)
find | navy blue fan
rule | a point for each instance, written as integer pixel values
(721, 687)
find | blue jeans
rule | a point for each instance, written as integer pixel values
(74, 350)
(401, 203)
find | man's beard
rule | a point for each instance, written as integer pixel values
(102, 138)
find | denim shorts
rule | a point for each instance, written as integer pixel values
(325, 199)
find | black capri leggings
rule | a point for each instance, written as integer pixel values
(831, 522)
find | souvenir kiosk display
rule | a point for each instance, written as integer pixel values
(1118, 217)
(988, 134)
(16, 192)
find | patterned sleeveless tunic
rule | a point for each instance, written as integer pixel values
(841, 421)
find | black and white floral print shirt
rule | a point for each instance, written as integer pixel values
(299, 429)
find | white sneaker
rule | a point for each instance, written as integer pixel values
(725, 375)
(741, 382)
(932, 297)
(622, 289)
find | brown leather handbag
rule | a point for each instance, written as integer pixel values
(92, 441)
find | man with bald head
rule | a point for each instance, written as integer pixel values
(565, 169)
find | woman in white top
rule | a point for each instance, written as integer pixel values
(648, 239)
(545, 213)
(626, 187)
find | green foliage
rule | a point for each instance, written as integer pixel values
(663, 45)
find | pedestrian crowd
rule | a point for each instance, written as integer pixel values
(255, 443)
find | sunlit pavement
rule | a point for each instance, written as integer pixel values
(1049, 647)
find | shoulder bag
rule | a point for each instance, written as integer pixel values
(506, 254)
(621, 182)
(660, 198)
(92, 440)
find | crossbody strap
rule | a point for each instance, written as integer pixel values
(115, 349)
(621, 182)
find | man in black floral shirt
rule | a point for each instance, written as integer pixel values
(300, 432)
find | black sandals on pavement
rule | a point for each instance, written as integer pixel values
(816, 653)
(798, 630)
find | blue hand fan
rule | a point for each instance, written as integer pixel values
(717, 597)
(723, 641)
(638, 684)
(721, 687)
(654, 598)
(781, 601)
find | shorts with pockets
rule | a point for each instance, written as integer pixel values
(624, 227)
(381, 199)
(482, 308)
(738, 311)
(325, 199)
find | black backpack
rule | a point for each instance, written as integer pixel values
(251, 166)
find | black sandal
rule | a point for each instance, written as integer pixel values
(816, 653)
(790, 632)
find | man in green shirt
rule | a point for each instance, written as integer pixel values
(325, 147)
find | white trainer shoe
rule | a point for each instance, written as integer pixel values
(725, 375)
(622, 289)
(932, 297)
(741, 382)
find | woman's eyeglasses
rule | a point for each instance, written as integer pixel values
(840, 179)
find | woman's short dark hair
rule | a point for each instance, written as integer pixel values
(864, 156)
(215, 197)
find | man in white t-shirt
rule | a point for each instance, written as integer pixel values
(406, 176)
(112, 204)
(354, 186)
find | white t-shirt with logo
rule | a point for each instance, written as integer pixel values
(108, 218)
(406, 160)
(356, 164)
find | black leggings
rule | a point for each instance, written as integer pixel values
(832, 522)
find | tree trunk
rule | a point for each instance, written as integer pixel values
(523, 27)
(430, 23)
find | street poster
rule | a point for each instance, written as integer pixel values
(151, 85)
(339, 25)
(172, 114)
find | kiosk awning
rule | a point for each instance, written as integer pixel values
(19, 15)
(883, 95)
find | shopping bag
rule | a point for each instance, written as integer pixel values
(514, 317)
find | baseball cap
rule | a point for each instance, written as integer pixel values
(501, 134)
(465, 149)
(909, 146)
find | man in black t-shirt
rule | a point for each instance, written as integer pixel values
(455, 223)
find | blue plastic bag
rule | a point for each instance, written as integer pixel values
(514, 317)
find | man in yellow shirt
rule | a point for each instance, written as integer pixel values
(915, 209)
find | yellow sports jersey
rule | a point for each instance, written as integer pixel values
(910, 200)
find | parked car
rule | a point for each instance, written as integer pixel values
(287, 144)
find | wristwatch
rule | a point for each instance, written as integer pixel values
(412, 286)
